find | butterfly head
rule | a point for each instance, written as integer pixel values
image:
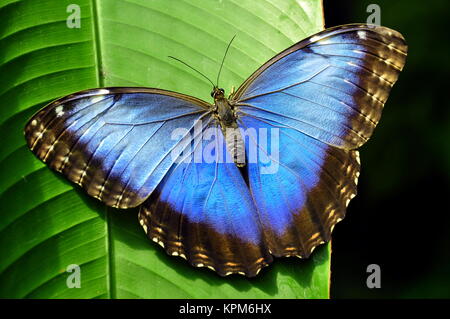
(217, 93)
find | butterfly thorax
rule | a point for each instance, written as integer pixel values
(225, 114)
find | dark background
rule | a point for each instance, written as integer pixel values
(400, 219)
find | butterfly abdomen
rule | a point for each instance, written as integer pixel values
(233, 137)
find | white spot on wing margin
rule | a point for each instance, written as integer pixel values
(362, 35)
(59, 110)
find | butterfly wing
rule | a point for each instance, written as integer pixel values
(116, 143)
(203, 210)
(301, 186)
(331, 86)
(323, 97)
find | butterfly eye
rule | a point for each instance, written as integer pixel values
(212, 93)
(222, 90)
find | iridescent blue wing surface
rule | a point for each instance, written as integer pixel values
(331, 86)
(203, 210)
(301, 186)
(116, 143)
(323, 97)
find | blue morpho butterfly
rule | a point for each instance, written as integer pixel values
(210, 199)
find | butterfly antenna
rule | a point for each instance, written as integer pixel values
(223, 60)
(192, 69)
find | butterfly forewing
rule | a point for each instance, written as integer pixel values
(331, 86)
(116, 143)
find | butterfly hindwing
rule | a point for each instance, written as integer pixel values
(116, 143)
(204, 212)
(302, 186)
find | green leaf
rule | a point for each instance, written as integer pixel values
(47, 223)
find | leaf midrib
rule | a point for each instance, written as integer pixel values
(109, 245)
